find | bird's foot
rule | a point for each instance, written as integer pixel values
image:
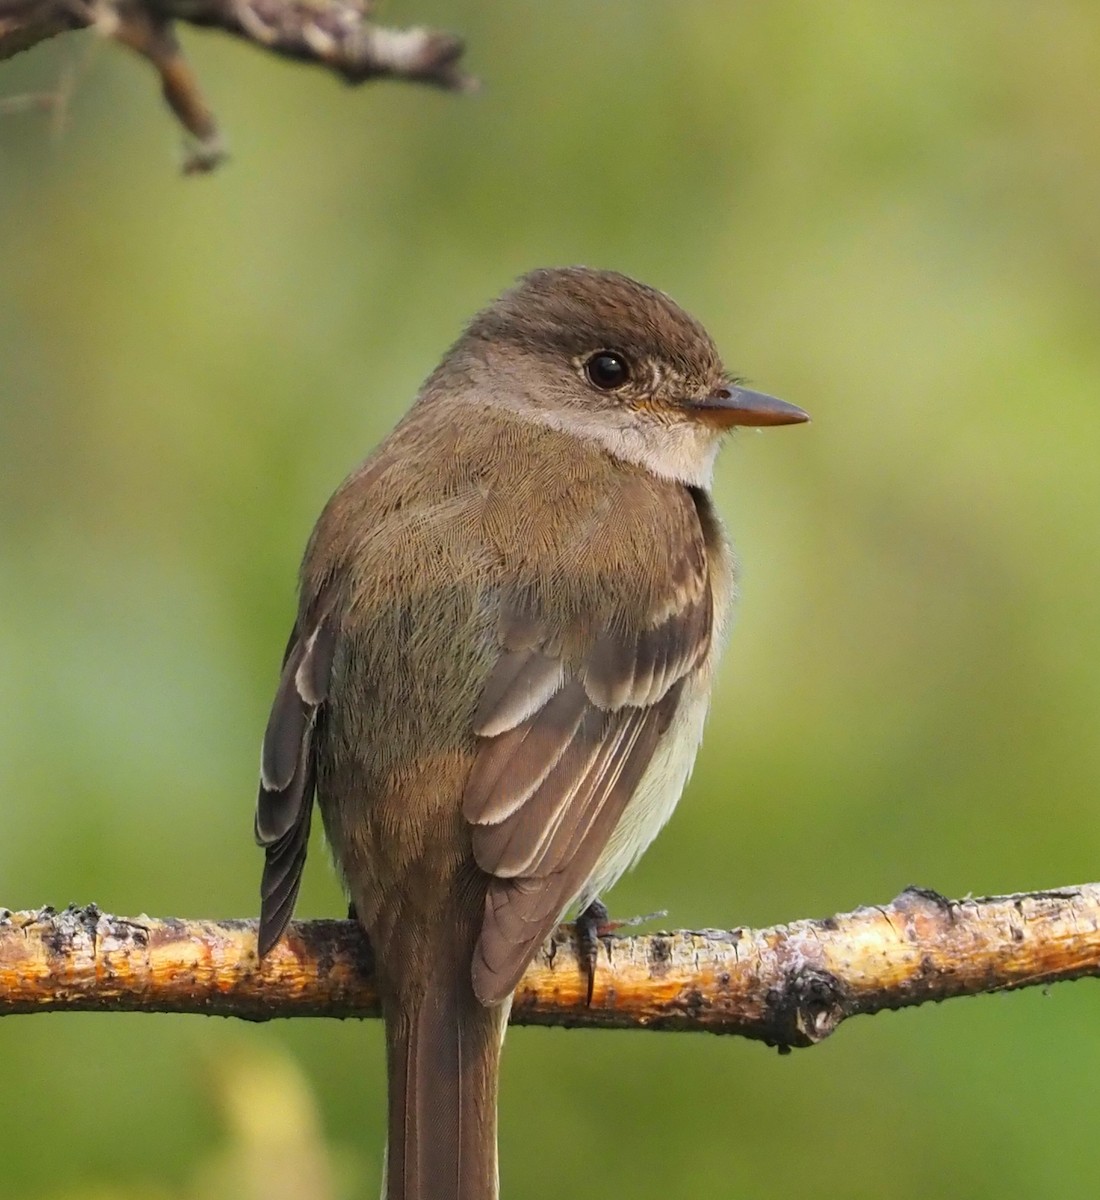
(593, 925)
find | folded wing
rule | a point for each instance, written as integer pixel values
(288, 774)
(565, 740)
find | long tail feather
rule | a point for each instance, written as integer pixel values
(443, 1053)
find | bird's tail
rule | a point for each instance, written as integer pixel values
(443, 1056)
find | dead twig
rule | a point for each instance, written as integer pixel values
(336, 34)
(790, 985)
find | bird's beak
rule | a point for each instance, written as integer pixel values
(730, 405)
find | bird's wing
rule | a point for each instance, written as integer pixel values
(288, 769)
(568, 722)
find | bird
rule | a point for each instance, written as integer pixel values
(508, 623)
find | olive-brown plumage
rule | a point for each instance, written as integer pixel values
(496, 683)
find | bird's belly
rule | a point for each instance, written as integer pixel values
(657, 794)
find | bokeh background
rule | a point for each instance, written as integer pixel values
(888, 213)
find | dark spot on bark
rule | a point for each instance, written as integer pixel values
(326, 958)
(805, 1010)
(132, 931)
(660, 952)
(692, 1002)
(58, 936)
(916, 897)
(1017, 933)
(830, 923)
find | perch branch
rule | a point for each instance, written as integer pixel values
(790, 985)
(336, 34)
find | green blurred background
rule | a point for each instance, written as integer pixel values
(888, 213)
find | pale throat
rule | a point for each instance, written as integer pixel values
(683, 451)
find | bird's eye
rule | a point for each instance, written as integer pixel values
(607, 370)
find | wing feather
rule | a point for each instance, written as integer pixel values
(284, 804)
(521, 912)
(522, 683)
(566, 737)
(511, 767)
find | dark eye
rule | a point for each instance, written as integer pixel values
(607, 370)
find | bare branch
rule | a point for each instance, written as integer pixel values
(337, 34)
(790, 985)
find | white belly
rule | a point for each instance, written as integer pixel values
(658, 791)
